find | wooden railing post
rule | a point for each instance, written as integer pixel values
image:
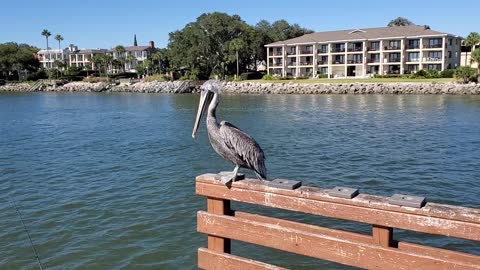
(219, 207)
(382, 236)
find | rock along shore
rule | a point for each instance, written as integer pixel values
(259, 88)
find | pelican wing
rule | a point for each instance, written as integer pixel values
(244, 147)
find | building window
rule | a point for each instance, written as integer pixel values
(339, 59)
(323, 70)
(450, 42)
(457, 41)
(434, 67)
(323, 48)
(394, 57)
(413, 44)
(449, 54)
(449, 66)
(393, 45)
(413, 57)
(374, 46)
(374, 58)
(434, 43)
(434, 56)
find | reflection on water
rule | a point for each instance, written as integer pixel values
(105, 181)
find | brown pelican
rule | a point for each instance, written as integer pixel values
(228, 141)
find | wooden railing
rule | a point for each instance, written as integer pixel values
(376, 251)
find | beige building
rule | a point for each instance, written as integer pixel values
(83, 57)
(48, 58)
(466, 57)
(364, 52)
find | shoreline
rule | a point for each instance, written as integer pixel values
(185, 87)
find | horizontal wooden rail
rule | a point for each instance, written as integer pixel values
(377, 251)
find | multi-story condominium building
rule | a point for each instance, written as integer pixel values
(363, 52)
(49, 57)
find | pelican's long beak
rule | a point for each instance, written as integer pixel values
(201, 109)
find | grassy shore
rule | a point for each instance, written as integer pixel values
(371, 80)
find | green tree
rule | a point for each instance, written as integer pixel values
(59, 38)
(472, 40)
(46, 34)
(466, 74)
(131, 59)
(98, 61)
(16, 58)
(475, 58)
(120, 50)
(400, 21)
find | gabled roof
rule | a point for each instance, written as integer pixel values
(362, 34)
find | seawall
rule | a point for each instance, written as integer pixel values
(261, 88)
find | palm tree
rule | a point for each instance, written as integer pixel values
(59, 38)
(97, 61)
(472, 40)
(46, 34)
(121, 55)
(107, 61)
(130, 59)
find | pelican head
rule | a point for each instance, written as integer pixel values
(207, 91)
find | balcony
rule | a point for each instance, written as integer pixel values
(276, 64)
(322, 51)
(276, 54)
(390, 48)
(322, 62)
(394, 60)
(373, 49)
(306, 63)
(292, 64)
(355, 49)
(413, 46)
(338, 62)
(338, 49)
(373, 60)
(291, 53)
(306, 52)
(354, 61)
(413, 60)
(432, 59)
(432, 46)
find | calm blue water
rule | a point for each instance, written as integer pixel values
(106, 181)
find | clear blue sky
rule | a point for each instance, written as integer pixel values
(104, 24)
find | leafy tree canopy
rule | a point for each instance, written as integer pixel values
(472, 39)
(17, 57)
(209, 45)
(400, 21)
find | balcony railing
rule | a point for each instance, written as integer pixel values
(291, 53)
(338, 62)
(307, 52)
(354, 61)
(387, 48)
(306, 63)
(414, 46)
(322, 63)
(355, 49)
(292, 63)
(338, 49)
(276, 64)
(322, 51)
(276, 54)
(394, 60)
(432, 59)
(373, 61)
(380, 249)
(431, 46)
(413, 60)
(373, 48)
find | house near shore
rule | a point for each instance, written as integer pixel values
(466, 57)
(364, 52)
(72, 56)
